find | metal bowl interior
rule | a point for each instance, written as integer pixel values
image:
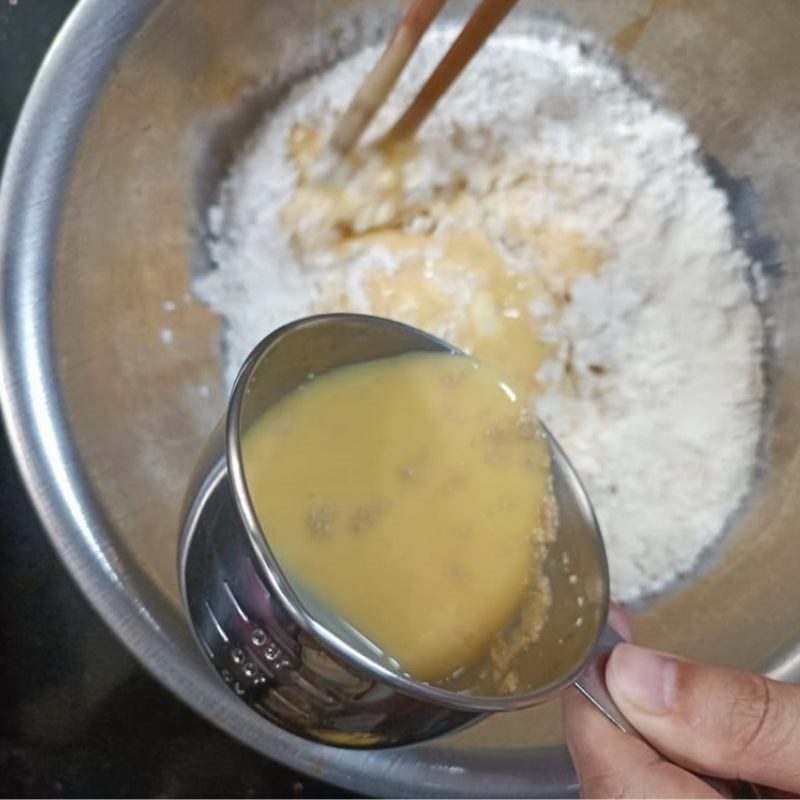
(127, 129)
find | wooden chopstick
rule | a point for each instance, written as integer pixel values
(379, 82)
(482, 23)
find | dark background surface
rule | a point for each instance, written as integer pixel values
(79, 717)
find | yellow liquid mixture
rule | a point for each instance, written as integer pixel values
(411, 496)
(457, 284)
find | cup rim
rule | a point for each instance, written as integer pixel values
(281, 586)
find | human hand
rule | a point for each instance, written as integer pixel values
(704, 719)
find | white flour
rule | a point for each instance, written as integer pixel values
(656, 387)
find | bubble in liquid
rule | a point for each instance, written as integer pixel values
(321, 519)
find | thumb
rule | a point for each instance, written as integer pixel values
(709, 719)
(611, 763)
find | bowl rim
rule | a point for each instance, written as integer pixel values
(35, 176)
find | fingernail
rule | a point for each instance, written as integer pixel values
(645, 678)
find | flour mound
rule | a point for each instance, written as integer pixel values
(654, 389)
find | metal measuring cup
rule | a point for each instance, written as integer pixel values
(307, 671)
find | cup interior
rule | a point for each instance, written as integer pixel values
(575, 565)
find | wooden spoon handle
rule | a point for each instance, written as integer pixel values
(483, 22)
(383, 76)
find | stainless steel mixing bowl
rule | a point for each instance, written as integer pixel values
(127, 130)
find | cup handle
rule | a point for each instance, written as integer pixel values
(592, 682)
(592, 685)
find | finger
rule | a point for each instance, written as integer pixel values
(710, 719)
(611, 763)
